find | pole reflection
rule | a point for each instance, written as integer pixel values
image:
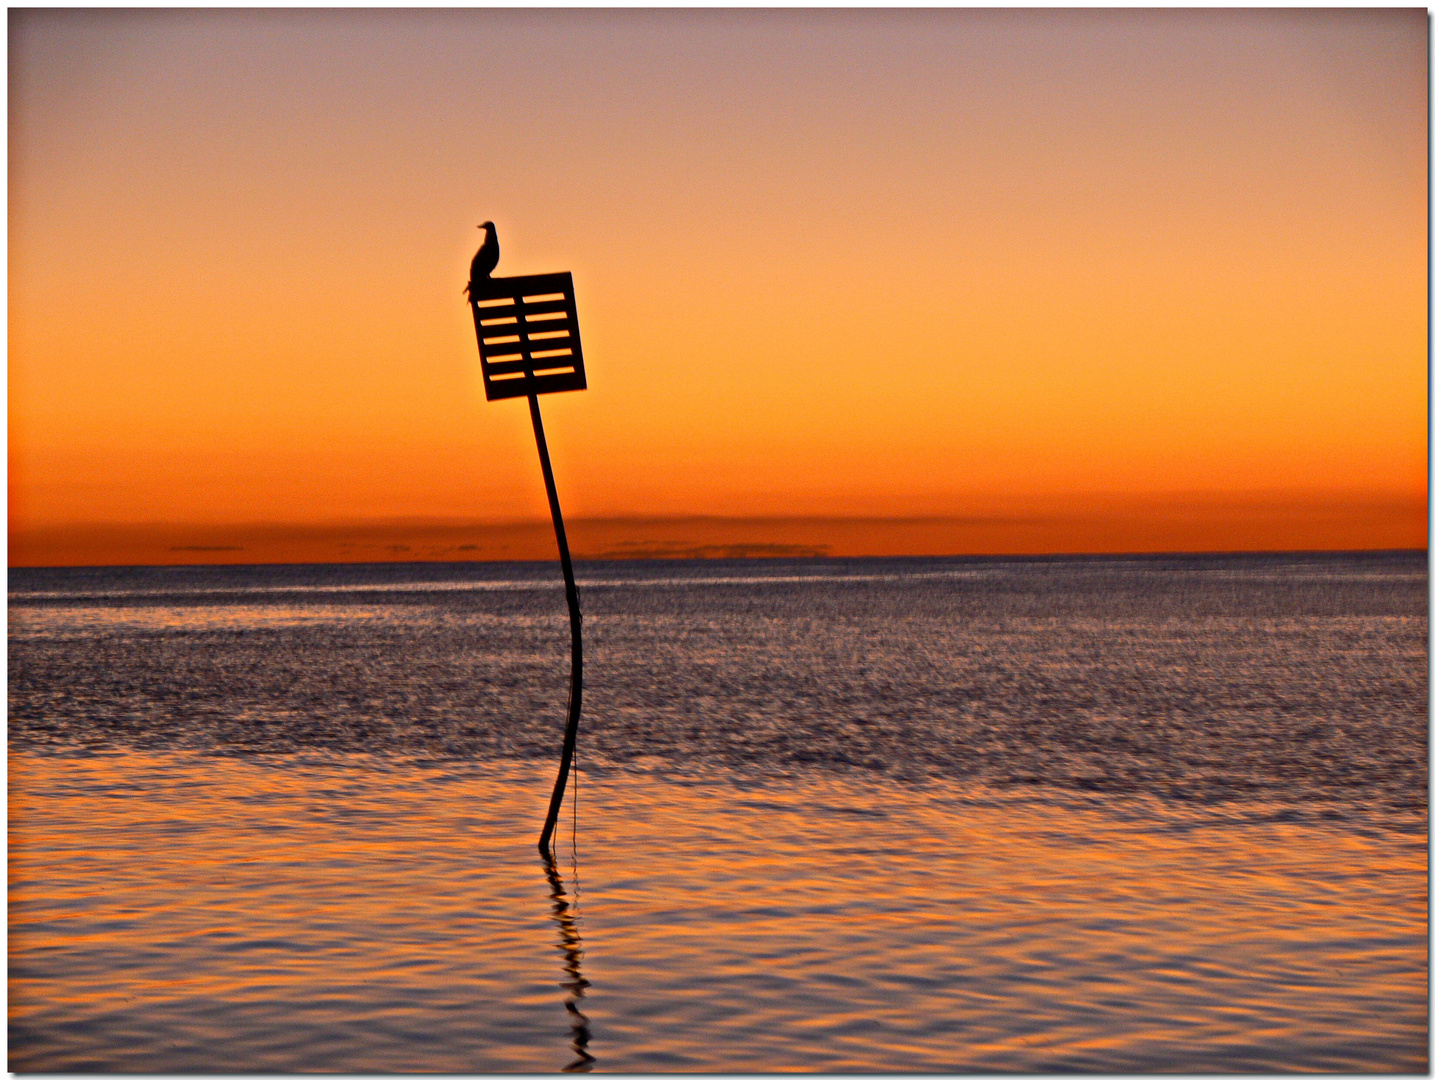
(571, 945)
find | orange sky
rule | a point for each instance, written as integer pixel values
(835, 264)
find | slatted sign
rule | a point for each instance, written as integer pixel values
(527, 335)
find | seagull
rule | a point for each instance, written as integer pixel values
(485, 260)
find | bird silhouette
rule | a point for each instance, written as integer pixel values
(484, 260)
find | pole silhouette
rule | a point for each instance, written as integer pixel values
(575, 619)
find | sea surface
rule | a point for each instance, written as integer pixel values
(957, 815)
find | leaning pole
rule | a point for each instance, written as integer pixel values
(575, 620)
(528, 344)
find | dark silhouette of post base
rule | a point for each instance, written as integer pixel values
(575, 618)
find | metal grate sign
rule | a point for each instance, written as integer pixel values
(527, 331)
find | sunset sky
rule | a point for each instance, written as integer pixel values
(990, 266)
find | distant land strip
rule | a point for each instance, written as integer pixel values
(1112, 527)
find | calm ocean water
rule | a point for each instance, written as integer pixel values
(1131, 815)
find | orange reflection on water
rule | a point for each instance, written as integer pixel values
(355, 913)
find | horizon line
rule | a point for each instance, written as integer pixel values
(1074, 505)
(982, 556)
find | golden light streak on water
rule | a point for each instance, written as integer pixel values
(344, 912)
